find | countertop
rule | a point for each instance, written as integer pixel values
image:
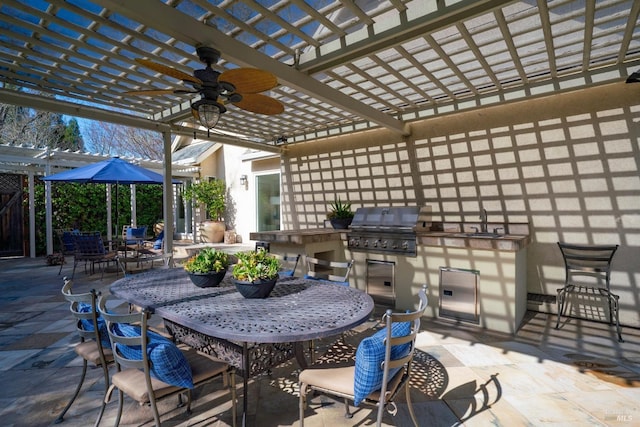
(506, 242)
(445, 234)
(300, 237)
(510, 237)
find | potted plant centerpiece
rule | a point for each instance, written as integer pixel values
(340, 214)
(211, 193)
(207, 268)
(256, 272)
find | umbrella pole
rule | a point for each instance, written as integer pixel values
(117, 212)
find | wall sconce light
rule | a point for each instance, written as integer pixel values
(244, 181)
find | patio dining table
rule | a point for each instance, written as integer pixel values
(253, 335)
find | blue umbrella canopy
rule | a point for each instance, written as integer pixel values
(111, 171)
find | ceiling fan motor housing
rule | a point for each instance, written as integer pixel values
(207, 54)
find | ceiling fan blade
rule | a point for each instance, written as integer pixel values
(249, 80)
(172, 72)
(151, 92)
(261, 104)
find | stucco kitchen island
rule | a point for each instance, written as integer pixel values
(323, 243)
(500, 263)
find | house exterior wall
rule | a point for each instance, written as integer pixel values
(568, 164)
(240, 214)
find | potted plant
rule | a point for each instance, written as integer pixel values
(340, 214)
(211, 193)
(256, 272)
(207, 268)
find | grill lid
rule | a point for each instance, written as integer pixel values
(402, 218)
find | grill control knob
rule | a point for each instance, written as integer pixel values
(405, 245)
(375, 243)
(366, 243)
(384, 243)
(354, 242)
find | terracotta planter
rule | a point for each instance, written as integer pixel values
(207, 280)
(258, 289)
(212, 231)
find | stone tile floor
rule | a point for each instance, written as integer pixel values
(576, 376)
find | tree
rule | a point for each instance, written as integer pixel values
(20, 125)
(108, 138)
(71, 139)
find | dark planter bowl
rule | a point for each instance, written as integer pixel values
(207, 280)
(341, 223)
(259, 289)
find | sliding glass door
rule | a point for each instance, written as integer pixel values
(268, 202)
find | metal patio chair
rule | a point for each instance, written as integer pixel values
(289, 264)
(382, 367)
(94, 346)
(588, 272)
(328, 271)
(150, 366)
(67, 245)
(90, 248)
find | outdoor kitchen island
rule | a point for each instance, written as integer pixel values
(476, 272)
(495, 298)
(489, 272)
(323, 243)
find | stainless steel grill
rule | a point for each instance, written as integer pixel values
(388, 229)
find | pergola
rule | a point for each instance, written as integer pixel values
(342, 66)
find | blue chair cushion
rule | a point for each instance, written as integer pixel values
(67, 241)
(87, 324)
(168, 364)
(158, 243)
(135, 233)
(326, 280)
(369, 358)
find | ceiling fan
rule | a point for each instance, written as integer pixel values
(240, 86)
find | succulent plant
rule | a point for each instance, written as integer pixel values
(208, 260)
(255, 265)
(340, 210)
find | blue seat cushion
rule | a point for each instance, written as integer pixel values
(369, 358)
(306, 276)
(168, 364)
(135, 233)
(67, 241)
(87, 324)
(158, 243)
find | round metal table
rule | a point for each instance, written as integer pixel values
(297, 309)
(253, 335)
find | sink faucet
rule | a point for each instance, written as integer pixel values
(483, 220)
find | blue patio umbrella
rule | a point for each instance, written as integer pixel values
(110, 171)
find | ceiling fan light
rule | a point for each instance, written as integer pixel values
(208, 112)
(209, 115)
